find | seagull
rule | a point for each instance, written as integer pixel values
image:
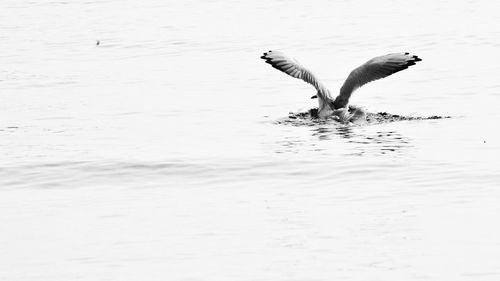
(374, 69)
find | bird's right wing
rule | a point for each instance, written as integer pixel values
(293, 68)
(372, 70)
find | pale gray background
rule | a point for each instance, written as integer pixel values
(156, 156)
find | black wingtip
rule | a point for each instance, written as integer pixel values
(264, 55)
(414, 58)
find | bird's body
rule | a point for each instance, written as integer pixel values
(374, 69)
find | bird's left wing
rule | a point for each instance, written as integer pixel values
(293, 68)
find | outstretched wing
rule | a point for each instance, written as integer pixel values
(372, 70)
(293, 68)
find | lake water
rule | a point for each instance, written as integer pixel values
(157, 154)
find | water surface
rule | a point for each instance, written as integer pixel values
(157, 155)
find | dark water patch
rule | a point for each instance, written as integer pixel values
(361, 140)
(384, 117)
(310, 118)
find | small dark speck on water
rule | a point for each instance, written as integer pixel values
(97, 43)
(13, 127)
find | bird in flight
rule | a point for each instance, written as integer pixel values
(374, 69)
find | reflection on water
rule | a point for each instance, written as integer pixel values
(368, 142)
(360, 140)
